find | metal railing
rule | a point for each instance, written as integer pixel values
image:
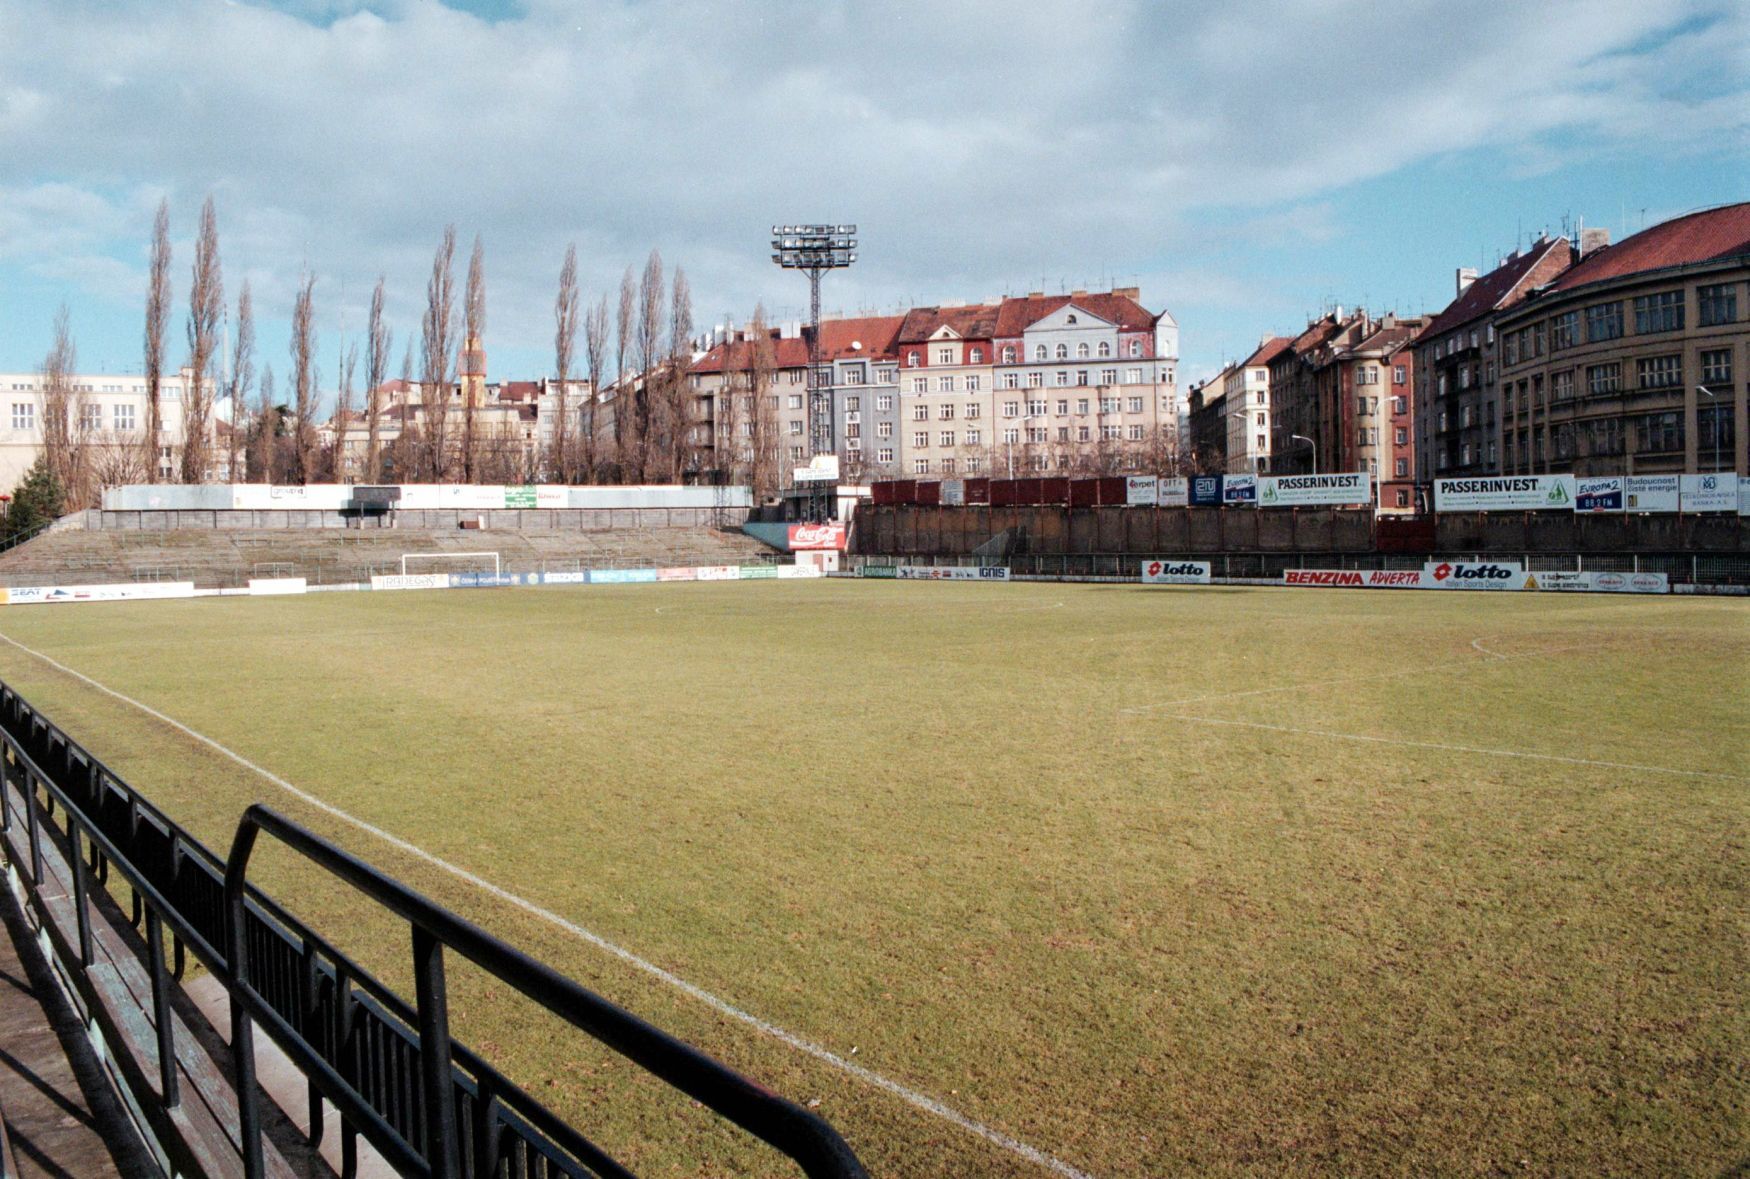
(428, 1104)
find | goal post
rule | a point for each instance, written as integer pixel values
(456, 558)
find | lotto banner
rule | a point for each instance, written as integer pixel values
(1474, 575)
(1175, 572)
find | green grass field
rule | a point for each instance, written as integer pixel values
(1154, 881)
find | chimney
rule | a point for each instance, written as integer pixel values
(1128, 293)
(1036, 294)
(1466, 276)
(1593, 240)
(1078, 294)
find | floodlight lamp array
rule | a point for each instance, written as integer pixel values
(814, 247)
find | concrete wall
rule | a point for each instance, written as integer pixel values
(323, 497)
(437, 519)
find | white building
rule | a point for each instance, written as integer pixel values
(109, 415)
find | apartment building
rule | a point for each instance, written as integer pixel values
(1633, 360)
(1246, 408)
(109, 414)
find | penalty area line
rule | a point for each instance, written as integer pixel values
(917, 1100)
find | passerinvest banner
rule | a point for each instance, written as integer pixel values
(1605, 493)
(1293, 491)
(1175, 572)
(1505, 493)
(1709, 493)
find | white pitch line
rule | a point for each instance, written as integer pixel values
(1405, 741)
(1477, 644)
(912, 1097)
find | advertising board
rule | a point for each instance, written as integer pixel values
(1173, 492)
(883, 571)
(953, 572)
(1357, 578)
(1650, 493)
(676, 574)
(953, 494)
(1142, 489)
(26, 595)
(795, 572)
(565, 577)
(1239, 491)
(1175, 572)
(758, 572)
(718, 572)
(491, 580)
(1603, 493)
(1205, 491)
(1505, 493)
(1292, 491)
(520, 496)
(817, 536)
(1474, 575)
(1716, 492)
(410, 581)
(620, 576)
(265, 586)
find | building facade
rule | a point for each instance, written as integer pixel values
(108, 415)
(1246, 408)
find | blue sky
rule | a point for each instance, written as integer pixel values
(1246, 164)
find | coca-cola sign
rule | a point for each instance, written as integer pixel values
(817, 536)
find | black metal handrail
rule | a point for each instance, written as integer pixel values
(361, 1046)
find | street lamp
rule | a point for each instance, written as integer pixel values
(1715, 399)
(816, 249)
(1311, 445)
(1243, 415)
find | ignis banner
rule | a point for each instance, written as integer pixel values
(1175, 572)
(1607, 493)
(817, 536)
(1239, 491)
(1709, 493)
(1505, 493)
(1293, 491)
(953, 572)
(1651, 493)
(1474, 575)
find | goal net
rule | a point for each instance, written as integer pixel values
(449, 563)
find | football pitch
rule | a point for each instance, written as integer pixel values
(1020, 879)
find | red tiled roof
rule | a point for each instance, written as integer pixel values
(1707, 236)
(1503, 286)
(519, 391)
(1017, 315)
(976, 322)
(1316, 333)
(1387, 340)
(876, 334)
(734, 357)
(1267, 351)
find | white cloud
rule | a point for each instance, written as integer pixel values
(978, 144)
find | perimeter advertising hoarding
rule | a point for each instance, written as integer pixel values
(1605, 493)
(1709, 493)
(1175, 572)
(1744, 495)
(676, 574)
(1505, 493)
(1293, 491)
(1604, 583)
(718, 572)
(953, 573)
(1441, 575)
(1142, 489)
(620, 576)
(953, 495)
(265, 586)
(566, 577)
(1239, 491)
(1357, 578)
(1651, 493)
(25, 595)
(410, 581)
(817, 536)
(1173, 493)
(1474, 575)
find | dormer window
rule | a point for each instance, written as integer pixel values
(1009, 355)
(944, 356)
(1136, 347)
(1069, 319)
(977, 356)
(1039, 353)
(911, 360)
(1082, 351)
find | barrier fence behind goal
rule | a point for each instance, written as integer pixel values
(450, 563)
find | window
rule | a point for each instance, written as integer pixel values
(884, 456)
(888, 376)
(1036, 409)
(974, 437)
(1111, 433)
(1063, 351)
(1011, 409)
(1564, 330)
(976, 356)
(1603, 322)
(1037, 434)
(1082, 376)
(911, 360)
(91, 418)
(795, 454)
(945, 412)
(1713, 431)
(853, 404)
(1399, 374)
(1011, 381)
(1133, 376)
(947, 438)
(23, 415)
(795, 426)
(1136, 433)
(1011, 436)
(1400, 436)
(1108, 376)
(883, 429)
(920, 384)
(1260, 418)
(1366, 436)
(944, 356)
(1363, 406)
(1105, 348)
(1659, 372)
(1081, 351)
(1136, 347)
(920, 412)
(1063, 406)
(920, 440)
(1403, 495)
(1070, 319)
(1063, 433)
(1659, 433)
(1008, 354)
(853, 430)
(947, 466)
(1083, 434)
(795, 401)
(1108, 405)
(1603, 379)
(945, 384)
(1135, 405)
(1081, 405)
(884, 403)
(1035, 380)
(1561, 385)
(1400, 404)
(1659, 313)
(920, 466)
(973, 466)
(1716, 367)
(1716, 304)
(972, 383)
(1040, 353)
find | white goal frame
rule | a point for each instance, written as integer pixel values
(497, 570)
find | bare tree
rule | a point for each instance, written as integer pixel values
(242, 372)
(623, 334)
(157, 315)
(439, 327)
(762, 408)
(264, 440)
(349, 356)
(565, 305)
(378, 341)
(648, 342)
(206, 307)
(474, 328)
(678, 394)
(66, 418)
(595, 346)
(303, 348)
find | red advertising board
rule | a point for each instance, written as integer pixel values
(1113, 490)
(1053, 491)
(817, 536)
(978, 491)
(929, 492)
(1084, 493)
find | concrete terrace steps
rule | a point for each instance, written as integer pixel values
(227, 558)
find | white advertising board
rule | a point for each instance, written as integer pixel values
(1358, 578)
(718, 573)
(1475, 575)
(565, 577)
(1142, 489)
(267, 586)
(1602, 583)
(953, 573)
(1709, 493)
(1651, 493)
(1505, 493)
(953, 492)
(410, 581)
(26, 595)
(1173, 493)
(1175, 572)
(792, 572)
(1239, 491)
(1744, 495)
(1291, 491)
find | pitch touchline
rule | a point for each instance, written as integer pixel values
(910, 1096)
(1577, 761)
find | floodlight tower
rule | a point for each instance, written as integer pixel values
(816, 249)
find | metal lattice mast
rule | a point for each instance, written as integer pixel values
(816, 249)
